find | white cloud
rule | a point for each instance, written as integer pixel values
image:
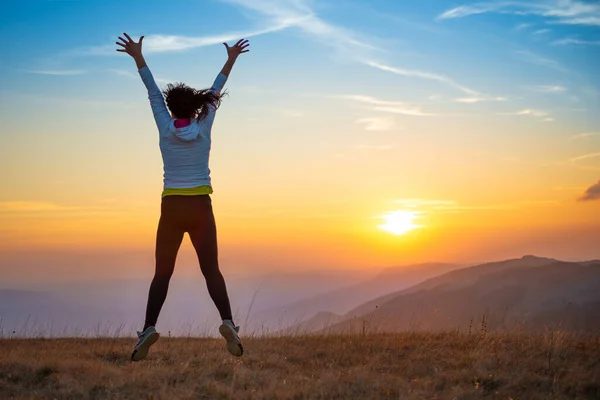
(377, 123)
(568, 41)
(522, 27)
(58, 72)
(585, 135)
(544, 115)
(392, 107)
(585, 157)
(471, 100)
(422, 75)
(535, 113)
(541, 32)
(570, 12)
(550, 88)
(170, 43)
(534, 58)
(345, 41)
(297, 13)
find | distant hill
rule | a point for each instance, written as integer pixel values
(92, 306)
(345, 299)
(530, 292)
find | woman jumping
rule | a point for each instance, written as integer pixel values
(185, 137)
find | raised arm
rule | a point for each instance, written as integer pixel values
(232, 54)
(157, 101)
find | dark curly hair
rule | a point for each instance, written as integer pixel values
(186, 102)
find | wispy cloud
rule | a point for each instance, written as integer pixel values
(64, 72)
(422, 75)
(299, 14)
(470, 100)
(536, 59)
(585, 157)
(172, 43)
(550, 88)
(568, 41)
(528, 111)
(569, 12)
(541, 32)
(541, 115)
(522, 27)
(347, 42)
(377, 123)
(585, 135)
(393, 107)
(592, 193)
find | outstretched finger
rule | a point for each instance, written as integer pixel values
(123, 51)
(123, 40)
(244, 46)
(141, 38)
(240, 41)
(244, 51)
(128, 37)
(226, 45)
(121, 44)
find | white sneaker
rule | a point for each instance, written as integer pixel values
(146, 339)
(230, 333)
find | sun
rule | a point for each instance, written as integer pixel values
(400, 222)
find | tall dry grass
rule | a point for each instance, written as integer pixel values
(414, 365)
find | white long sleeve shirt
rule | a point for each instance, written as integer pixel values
(185, 151)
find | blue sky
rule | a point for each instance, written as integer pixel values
(473, 103)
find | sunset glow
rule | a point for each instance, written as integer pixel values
(355, 134)
(399, 222)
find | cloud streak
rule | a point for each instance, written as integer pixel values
(544, 115)
(345, 41)
(66, 72)
(422, 75)
(550, 88)
(173, 43)
(568, 41)
(536, 59)
(585, 157)
(392, 107)
(377, 123)
(585, 135)
(567, 12)
(472, 100)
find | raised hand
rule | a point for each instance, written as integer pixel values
(134, 49)
(237, 49)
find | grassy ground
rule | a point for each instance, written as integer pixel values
(398, 366)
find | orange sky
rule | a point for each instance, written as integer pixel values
(490, 139)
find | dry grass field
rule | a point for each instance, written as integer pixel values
(395, 366)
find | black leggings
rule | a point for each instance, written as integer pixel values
(194, 215)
